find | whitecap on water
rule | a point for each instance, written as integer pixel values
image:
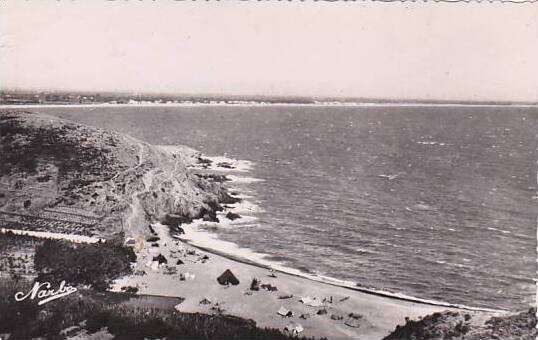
(242, 179)
(222, 163)
(500, 230)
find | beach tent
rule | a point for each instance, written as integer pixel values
(255, 285)
(285, 312)
(160, 258)
(293, 328)
(205, 302)
(227, 278)
(353, 320)
(309, 301)
(269, 287)
(129, 241)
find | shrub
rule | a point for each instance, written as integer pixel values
(93, 264)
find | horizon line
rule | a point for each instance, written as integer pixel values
(261, 104)
(261, 97)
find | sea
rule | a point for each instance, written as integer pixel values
(436, 202)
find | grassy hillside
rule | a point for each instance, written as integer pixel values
(121, 183)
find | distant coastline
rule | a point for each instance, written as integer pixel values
(53, 98)
(240, 104)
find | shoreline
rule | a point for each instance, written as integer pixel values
(257, 259)
(195, 280)
(327, 281)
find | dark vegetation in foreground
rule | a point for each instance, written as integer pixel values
(17, 253)
(459, 326)
(124, 315)
(90, 311)
(95, 264)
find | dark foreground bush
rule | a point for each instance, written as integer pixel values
(95, 264)
(460, 326)
(124, 321)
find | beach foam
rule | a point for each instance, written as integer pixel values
(242, 179)
(223, 164)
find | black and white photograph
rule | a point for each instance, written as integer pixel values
(268, 170)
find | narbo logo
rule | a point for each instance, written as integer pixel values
(44, 293)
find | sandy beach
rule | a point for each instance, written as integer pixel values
(191, 271)
(378, 315)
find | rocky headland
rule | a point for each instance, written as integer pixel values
(51, 166)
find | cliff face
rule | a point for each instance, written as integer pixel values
(55, 166)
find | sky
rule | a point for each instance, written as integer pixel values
(423, 50)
